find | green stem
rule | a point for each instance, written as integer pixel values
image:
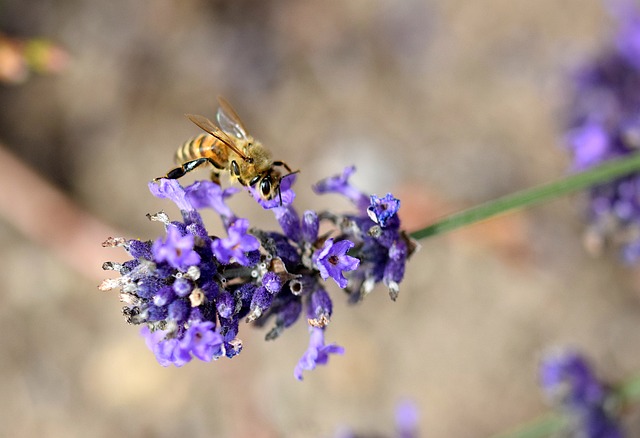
(606, 172)
(543, 427)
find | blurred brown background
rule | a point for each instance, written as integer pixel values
(445, 103)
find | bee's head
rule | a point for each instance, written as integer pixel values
(268, 184)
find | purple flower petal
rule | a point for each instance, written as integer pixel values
(340, 184)
(289, 221)
(309, 226)
(332, 259)
(202, 341)
(320, 306)
(236, 245)
(407, 417)
(207, 194)
(172, 190)
(382, 210)
(177, 250)
(590, 144)
(167, 351)
(317, 353)
(272, 282)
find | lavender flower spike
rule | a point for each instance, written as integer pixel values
(191, 290)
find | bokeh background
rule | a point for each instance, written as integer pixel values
(445, 103)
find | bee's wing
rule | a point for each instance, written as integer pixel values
(208, 126)
(229, 120)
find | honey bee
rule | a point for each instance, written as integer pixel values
(229, 148)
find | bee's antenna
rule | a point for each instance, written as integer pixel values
(280, 183)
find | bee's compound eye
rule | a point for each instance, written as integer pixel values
(254, 180)
(265, 188)
(234, 168)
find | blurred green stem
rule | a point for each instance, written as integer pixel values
(597, 175)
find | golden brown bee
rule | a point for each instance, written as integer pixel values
(229, 148)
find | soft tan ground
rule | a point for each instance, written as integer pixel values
(445, 103)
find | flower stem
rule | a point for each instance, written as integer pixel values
(529, 197)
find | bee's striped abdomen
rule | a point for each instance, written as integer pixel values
(203, 146)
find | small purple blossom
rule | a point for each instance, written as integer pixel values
(320, 308)
(272, 282)
(289, 221)
(237, 244)
(340, 184)
(177, 250)
(407, 419)
(310, 225)
(207, 194)
(167, 351)
(332, 260)
(382, 210)
(202, 341)
(571, 386)
(589, 144)
(170, 189)
(317, 353)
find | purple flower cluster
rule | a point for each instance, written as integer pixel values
(604, 123)
(571, 386)
(190, 290)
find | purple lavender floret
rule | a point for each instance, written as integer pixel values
(340, 184)
(383, 210)
(332, 260)
(317, 353)
(604, 123)
(571, 386)
(176, 250)
(190, 290)
(236, 245)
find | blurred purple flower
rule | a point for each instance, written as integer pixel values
(604, 123)
(571, 386)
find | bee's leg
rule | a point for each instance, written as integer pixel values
(283, 164)
(181, 171)
(215, 177)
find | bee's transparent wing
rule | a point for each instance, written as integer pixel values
(208, 126)
(229, 121)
